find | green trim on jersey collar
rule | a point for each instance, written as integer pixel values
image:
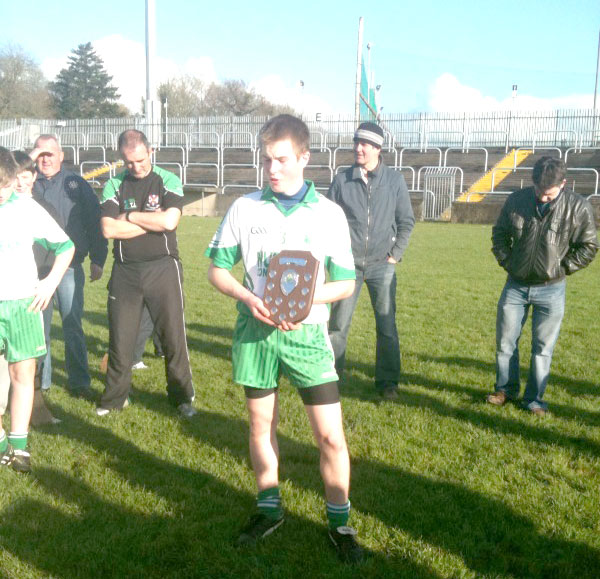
(310, 197)
(13, 197)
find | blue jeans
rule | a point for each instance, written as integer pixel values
(548, 303)
(380, 279)
(69, 299)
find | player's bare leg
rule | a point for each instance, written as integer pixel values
(264, 449)
(264, 455)
(21, 401)
(328, 429)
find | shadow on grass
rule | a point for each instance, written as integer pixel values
(487, 535)
(575, 387)
(183, 527)
(96, 536)
(354, 387)
(221, 332)
(207, 346)
(480, 415)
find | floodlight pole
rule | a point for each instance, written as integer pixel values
(358, 72)
(369, 68)
(597, 66)
(152, 107)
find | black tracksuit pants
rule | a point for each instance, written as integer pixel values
(159, 285)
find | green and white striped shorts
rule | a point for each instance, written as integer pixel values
(21, 332)
(260, 353)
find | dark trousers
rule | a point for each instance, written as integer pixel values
(159, 286)
(146, 330)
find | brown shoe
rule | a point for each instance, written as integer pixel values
(40, 413)
(104, 364)
(538, 411)
(497, 398)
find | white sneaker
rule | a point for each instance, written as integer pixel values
(186, 410)
(104, 411)
(139, 366)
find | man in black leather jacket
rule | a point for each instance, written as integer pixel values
(543, 234)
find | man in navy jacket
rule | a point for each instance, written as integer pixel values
(78, 211)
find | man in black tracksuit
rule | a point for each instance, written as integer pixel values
(141, 208)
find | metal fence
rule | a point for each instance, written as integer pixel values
(566, 128)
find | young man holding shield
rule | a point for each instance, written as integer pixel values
(287, 215)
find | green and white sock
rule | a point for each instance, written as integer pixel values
(3, 441)
(18, 440)
(338, 515)
(268, 503)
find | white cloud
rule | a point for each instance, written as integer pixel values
(202, 68)
(274, 89)
(447, 94)
(52, 66)
(125, 61)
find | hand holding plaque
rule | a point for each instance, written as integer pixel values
(290, 286)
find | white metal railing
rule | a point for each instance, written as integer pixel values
(441, 172)
(431, 138)
(489, 139)
(413, 172)
(168, 148)
(587, 170)
(518, 128)
(580, 150)
(514, 169)
(573, 134)
(111, 170)
(12, 138)
(174, 139)
(466, 152)
(317, 140)
(421, 151)
(400, 140)
(593, 138)
(533, 152)
(107, 139)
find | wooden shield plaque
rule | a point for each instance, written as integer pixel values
(290, 285)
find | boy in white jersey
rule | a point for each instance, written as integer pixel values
(288, 214)
(22, 298)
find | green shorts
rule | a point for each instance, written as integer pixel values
(261, 353)
(21, 332)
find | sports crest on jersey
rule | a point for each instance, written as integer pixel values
(153, 202)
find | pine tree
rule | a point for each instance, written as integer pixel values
(83, 90)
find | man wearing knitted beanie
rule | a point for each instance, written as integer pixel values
(376, 202)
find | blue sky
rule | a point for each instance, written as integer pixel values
(427, 55)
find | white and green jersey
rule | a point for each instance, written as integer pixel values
(24, 222)
(257, 227)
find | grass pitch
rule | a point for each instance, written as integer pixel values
(443, 485)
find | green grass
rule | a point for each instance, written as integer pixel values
(443, 485)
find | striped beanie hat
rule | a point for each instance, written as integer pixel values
(369, 133)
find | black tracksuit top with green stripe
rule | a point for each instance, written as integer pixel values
(160, 189)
